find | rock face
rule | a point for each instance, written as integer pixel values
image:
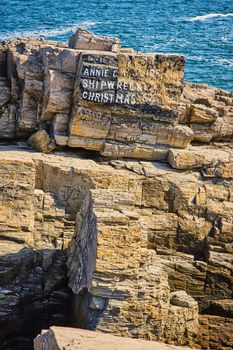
(41, 141)
(84, 40)
(141, 291)
(121, 104)
(170, 236)
(33, 294)
(62, 338)
(136, 248)
(209, 112)
(146, 245)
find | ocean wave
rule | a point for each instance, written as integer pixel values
(195, 58)
(206, 17)
(223, 62)
(47, 33)
(226, 37)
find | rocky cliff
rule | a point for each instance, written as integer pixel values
(91, 237)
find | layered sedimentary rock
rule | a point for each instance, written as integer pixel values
(130, 100)
(143, 248)
(179, 220)
(85, 40)
(148, 247)
(62, 338)
(208, 112)
(121, 104)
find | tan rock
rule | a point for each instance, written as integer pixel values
(5, 92)
(184, 159)
(76, 339)
(215, 161)
(181, 298)
(157, 229)
(182, 318)
(49, 79)
(113, 150)
(59, 58)
(127, 50)
(123, 230)
(16, 218)
(8, 121)
(185, 273)
(209, 112)
(129, 123)
(60, 124)
(41, 142)
(60, 66)
(85, 40)
(25, 65)
(138, 235)
(222, 308)
(57, 94)
(219, 330)
(202, 115)
(224, 170)
(3, 62)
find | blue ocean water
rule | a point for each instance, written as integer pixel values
(202, 30)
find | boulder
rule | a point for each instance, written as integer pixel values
(58, 338)
(222, 308)
(85, 40)
(42, 142)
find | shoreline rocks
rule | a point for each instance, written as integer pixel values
(85, 40)
(130, 216)
(121, 104)
(143, 244)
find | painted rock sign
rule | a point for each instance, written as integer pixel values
(130, 79)
(121, 104)
(124, 99)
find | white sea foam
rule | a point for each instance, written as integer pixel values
(43, 32)
(206, 17)
(223, 62)
(196, 58)
(226, 37)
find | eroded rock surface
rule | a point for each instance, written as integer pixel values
(84, 40)
(122, 104)
(143, 248)
(148, 246)
(65, 338)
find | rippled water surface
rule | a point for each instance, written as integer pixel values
(202, 30)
